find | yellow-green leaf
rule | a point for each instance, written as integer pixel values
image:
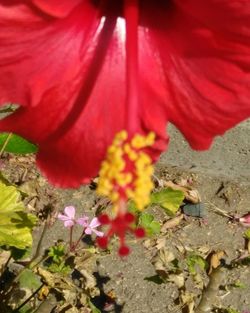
(15, 224)
(169, 199)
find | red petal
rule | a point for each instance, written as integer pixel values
(140, 232)
(129, 218)
(102, 242)
(124, 251)
(69, 76)
(104, 219)
(74, 105)
(40, 56)
(204, 49)
(57, 8)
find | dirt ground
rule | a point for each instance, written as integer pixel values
(128, 285)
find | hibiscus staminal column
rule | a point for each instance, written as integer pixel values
(125, 174)
(131, 14)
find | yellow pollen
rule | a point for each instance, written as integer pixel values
(126, 172)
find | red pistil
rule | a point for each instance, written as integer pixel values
(131, 13)
(119, 226)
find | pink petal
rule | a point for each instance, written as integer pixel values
(69, 223)
(70, 212)
(88, 231)
(62, 217)
(245, 219)
(94, 223)
(83, 221)
(57, 8)
(98, 233)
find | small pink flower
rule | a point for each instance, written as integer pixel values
(90, 228)
(69, 217)
(83, 221)
(245, 219)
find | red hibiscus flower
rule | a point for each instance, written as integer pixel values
(80, 75)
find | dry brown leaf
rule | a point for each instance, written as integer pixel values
(55, 280)
(162, 259)
(89, 283)
(70, 296)
(179, 279)
(187, 300)
(43, 293)
(204, 251)
(171, 223)
(148, 243)
(29, 187)
(160, 243)
(4, 256)
(215, 260)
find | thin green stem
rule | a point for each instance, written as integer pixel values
(39, 245)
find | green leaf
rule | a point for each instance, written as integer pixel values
(151, 226)
(132, 208)
(247, 233)
(169, 199)
(193, 261)
(57, 253)
(17, 144)
(15, 225)
(59, 268)
(30, 280)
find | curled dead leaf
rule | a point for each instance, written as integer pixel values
(191, 195)
(172, 223)
(177, 279)
(43, 293)
(214, 259)
(187, 300)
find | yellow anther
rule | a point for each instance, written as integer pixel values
(150, 139)
(138, 142)
(127, 170)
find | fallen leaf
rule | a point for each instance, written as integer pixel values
(4, 256)
(160, 243)
(169, 199)
(214, 260)
(43, 293)
(187, 300)
(162, 261)
(191, 195)
(172, 223)
(177, 279)
(70, 296)
(55, 280)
